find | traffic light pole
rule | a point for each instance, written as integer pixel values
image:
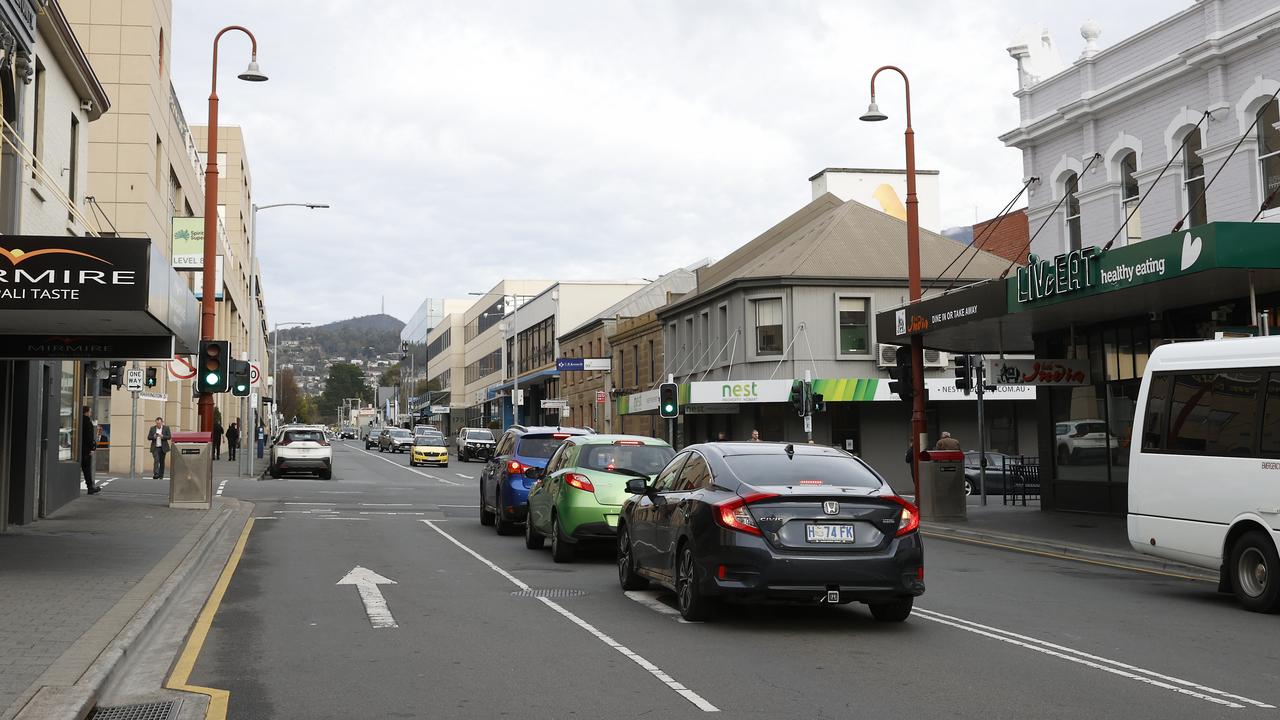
(978, 375)
(133, 434)
(808, 406)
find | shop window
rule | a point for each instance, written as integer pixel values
(768, 326)
(1082, 440)
(1215, 413)
(1129, 196)
(1269, 153)
(1071, 188)
(1270, 439)
(854, 330)
(1193, 184)
(68, 427)
(1154, 421)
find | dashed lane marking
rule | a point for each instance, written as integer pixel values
(404, 467)
(693, 697)
(386, 504)
(221, 486)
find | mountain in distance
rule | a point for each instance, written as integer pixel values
(364, 337)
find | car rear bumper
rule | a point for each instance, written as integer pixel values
(304, 463)
(483, 451)
(750, 569)
(431, 459)
(585, 519)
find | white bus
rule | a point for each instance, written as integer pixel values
(1204, 465)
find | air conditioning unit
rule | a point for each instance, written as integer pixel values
(886, 356)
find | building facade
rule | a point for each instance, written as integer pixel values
(482, 337)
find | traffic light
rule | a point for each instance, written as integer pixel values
(964, 373)
(669, 400)
(115, 373)
(816, 403)
(900, 385)
(240, 378)
(798, 391)
(213, 370)
(151, 377)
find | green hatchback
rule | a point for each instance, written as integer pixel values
(578, 496)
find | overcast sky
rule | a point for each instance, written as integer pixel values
(461, 142)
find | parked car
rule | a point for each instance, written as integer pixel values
(1084, 441)
(429, 448)
(504, 488)
(301, 449)
(771, 522)
(995, 473)
(577, 497)
(475, 442)
(395, 440)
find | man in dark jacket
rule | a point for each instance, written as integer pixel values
(88, 443)
(233, 439)
(158, 438)
(216, 439)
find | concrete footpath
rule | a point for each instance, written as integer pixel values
(1099, 539)
(81, 588)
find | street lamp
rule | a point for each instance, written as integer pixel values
(873, 114)
(251, 74)
(275, 360)
(246, 464)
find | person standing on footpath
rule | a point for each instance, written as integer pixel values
(233, 439)
(158, 437)
(755, 436)
(88, 443)
(946, 442)
(216, 439)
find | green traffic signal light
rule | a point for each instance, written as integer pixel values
(211, 378)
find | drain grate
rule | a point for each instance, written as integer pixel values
(551, 593)
(143, 711)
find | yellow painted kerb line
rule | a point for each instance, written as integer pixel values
(195, 642)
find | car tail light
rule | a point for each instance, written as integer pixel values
(910, 521)
(560, 436)
(733, 514)
(627, 442)
(812, 482)
(515, 467)
(579, 481)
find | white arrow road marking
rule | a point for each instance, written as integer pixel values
(1150, 677)
(375, 606)
(403, 467)
(693, 697)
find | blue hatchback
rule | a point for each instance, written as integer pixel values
(504, 489)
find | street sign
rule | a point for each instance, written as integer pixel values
(584, 364)
(254, 374)
(162, 397)
(439, 409)
(601, 397)
(554, 403)
(808, 423)
(517, 396)
(133, 379)
(566, 412)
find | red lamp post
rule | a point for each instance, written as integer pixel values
(208, 288)
(873, 114)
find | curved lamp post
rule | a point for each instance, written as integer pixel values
(873, 114)
(251, 74)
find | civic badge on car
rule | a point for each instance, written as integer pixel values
(831, 507)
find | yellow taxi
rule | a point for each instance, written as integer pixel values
(429, 449)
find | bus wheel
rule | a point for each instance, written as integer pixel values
(1255, 572)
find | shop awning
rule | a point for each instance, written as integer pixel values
(92, 298)
(1206, 264)
(530, 379)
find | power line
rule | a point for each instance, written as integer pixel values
(1152, 186)
(991, 229)
(1054, 211)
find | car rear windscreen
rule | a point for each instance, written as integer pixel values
(648, 459)
(429, 440)
(400, 434)
(779, 469)
(314, 436)
(479, 435)
(538, 447)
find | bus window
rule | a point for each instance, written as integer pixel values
(1215, 414)
(1154, 424)
(1271, 418)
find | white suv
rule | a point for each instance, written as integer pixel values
(302, 449)
(1084, 441)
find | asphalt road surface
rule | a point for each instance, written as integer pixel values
(998, 634)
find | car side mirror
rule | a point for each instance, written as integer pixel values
(638, 486)
(535, 473)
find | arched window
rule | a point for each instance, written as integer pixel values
(1193, 180)
(1269, 153)
(1071, 187)
(1129, 196)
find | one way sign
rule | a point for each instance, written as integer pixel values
(133, 379)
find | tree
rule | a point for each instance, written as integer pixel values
(306, 411)
(345, 381)
(390, 377)
(288, 396)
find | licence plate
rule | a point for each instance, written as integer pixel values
(612, 520)
(831, 533)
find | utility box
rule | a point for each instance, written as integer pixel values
(191, 471)
(942, 495)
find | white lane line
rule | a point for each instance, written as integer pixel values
(461, 506)
(1114, 667)
(382, 512)
(386, 504)
(340, 492)
(309, 503)
(331, 517)
(693, 697)
(412, 470)
(649, 599)
(221, 486)
(266, 517)
(469, 477)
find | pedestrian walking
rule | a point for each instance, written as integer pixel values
(216, 439)
(755, 436)
(233, 440)
(946, 442)
(158, 437)
(88, 443)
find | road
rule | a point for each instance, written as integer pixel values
(998, 634)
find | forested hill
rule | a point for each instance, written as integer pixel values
(352, 338)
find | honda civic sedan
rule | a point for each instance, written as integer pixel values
(771, 522)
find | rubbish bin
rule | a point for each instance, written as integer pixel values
(942, 495)
(191, 471)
